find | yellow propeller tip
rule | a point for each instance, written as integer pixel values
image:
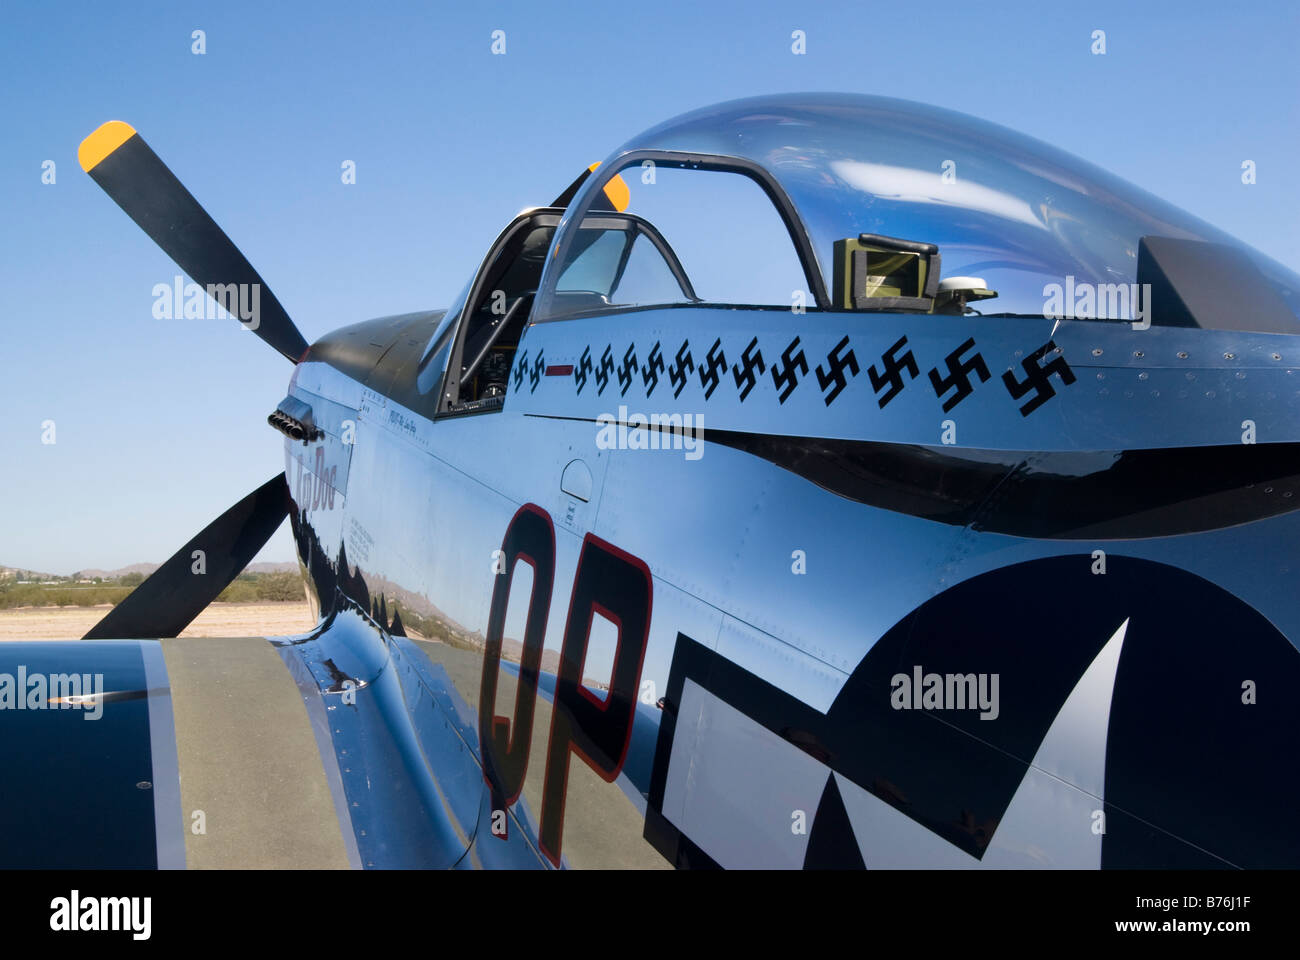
(616, 190)
(102, 142)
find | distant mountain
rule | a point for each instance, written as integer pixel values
(272, 567)
(8, 573)
(145, 568)
(11, 573)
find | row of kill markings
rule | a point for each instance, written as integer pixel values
(832, 375)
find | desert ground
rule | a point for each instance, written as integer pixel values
(259, 619)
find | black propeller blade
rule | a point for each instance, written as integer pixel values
(118, 159)
(176, 593)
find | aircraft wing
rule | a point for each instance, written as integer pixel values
(168, 753)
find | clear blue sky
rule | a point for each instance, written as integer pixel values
(161, 424)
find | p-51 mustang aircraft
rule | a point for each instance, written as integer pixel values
(819, 481)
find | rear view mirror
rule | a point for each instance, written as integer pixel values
(875, 272)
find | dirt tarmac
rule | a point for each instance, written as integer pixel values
(261, 619)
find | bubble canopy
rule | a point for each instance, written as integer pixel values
(1014, 211)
